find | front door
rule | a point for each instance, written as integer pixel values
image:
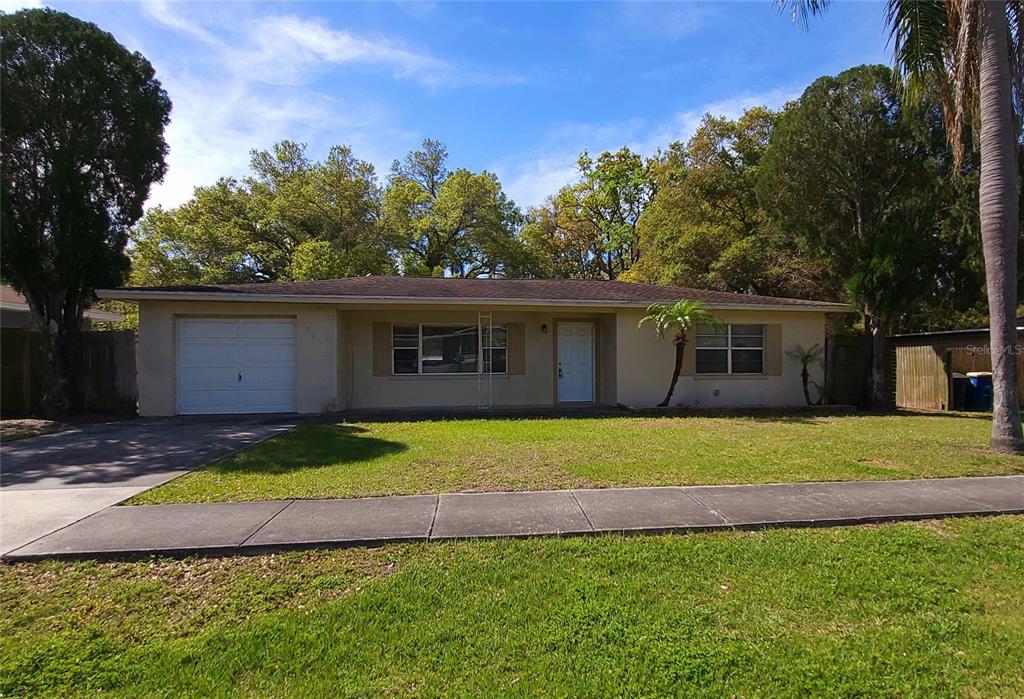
(575, 362)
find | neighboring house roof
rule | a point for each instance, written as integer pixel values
(381, 289)
(11, 300)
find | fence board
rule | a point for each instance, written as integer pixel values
(922, 378)
(106, 372)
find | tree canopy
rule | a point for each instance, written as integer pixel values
(706, 228)
(82, 141)
(589, 229)
(855, 176)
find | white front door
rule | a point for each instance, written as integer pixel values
(236, 365)
(575, 362)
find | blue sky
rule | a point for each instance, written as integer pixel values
(515, 88)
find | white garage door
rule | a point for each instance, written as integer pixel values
(235, 365)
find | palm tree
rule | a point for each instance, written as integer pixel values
(971, 52)
(684, 315)
(807, 357)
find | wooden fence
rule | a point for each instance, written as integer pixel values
(106, 372)
(922, 378)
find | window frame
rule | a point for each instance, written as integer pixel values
(729, 348)
(419, 349)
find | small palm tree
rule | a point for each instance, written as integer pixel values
(806, 357)
(682, 316)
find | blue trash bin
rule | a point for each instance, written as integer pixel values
(979, 392)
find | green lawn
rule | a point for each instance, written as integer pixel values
(928, 609)
(383, 458)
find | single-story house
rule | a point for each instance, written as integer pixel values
(401, 342)
(15, 313)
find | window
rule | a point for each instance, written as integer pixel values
(446, 349)
(730, 349)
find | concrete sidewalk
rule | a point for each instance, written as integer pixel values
(242, 527)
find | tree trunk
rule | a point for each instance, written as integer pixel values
(680, 343)
(58, 402)
(805, 377)
(1000, 221)
(875, 395)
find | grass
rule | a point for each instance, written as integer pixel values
(387, 458)
(12, 430)
(930, 609)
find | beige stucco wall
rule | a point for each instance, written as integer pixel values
(334, 358)
(535, 387)
(644, 364)
(316, 347)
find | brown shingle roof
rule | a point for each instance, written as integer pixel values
(538, 290)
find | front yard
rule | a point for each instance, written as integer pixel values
(928, 609)
(387, 458)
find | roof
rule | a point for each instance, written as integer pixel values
(11, 300)
(951, 333)
(380, 289)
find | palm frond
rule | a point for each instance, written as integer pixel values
(801, 11)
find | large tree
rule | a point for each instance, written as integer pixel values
(456, 223)
(589, 229)
(270, 225)
(705, 226)
(82, 141)
(971, 54)
(851, 172)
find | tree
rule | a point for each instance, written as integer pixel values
(589, 229)
(267, 226)
(451, 222)
(682, 316)
(967, 53)
(82, 141)
(706, 228)
(866, 207)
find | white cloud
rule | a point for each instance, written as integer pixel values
(289, 50)
(535, 176)
(248, 83)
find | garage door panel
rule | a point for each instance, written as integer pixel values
(268, 353)
(269, 377)
(201, 353)
(236, 365)
(267, 329)
(270, 400)
(210, 377)
(209, 328)
(210, 398)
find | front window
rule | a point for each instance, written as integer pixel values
(447, 349)
(730, 349)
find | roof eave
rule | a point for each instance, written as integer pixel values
(137, 295)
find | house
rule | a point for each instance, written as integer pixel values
(928, 364)
(402, 342)
(15, 313)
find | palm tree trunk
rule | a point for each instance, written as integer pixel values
(805, 377)
(680, 343)
(1000, 221)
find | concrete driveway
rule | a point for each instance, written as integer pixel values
(51, 481)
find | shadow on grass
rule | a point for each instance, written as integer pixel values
(310, 446)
